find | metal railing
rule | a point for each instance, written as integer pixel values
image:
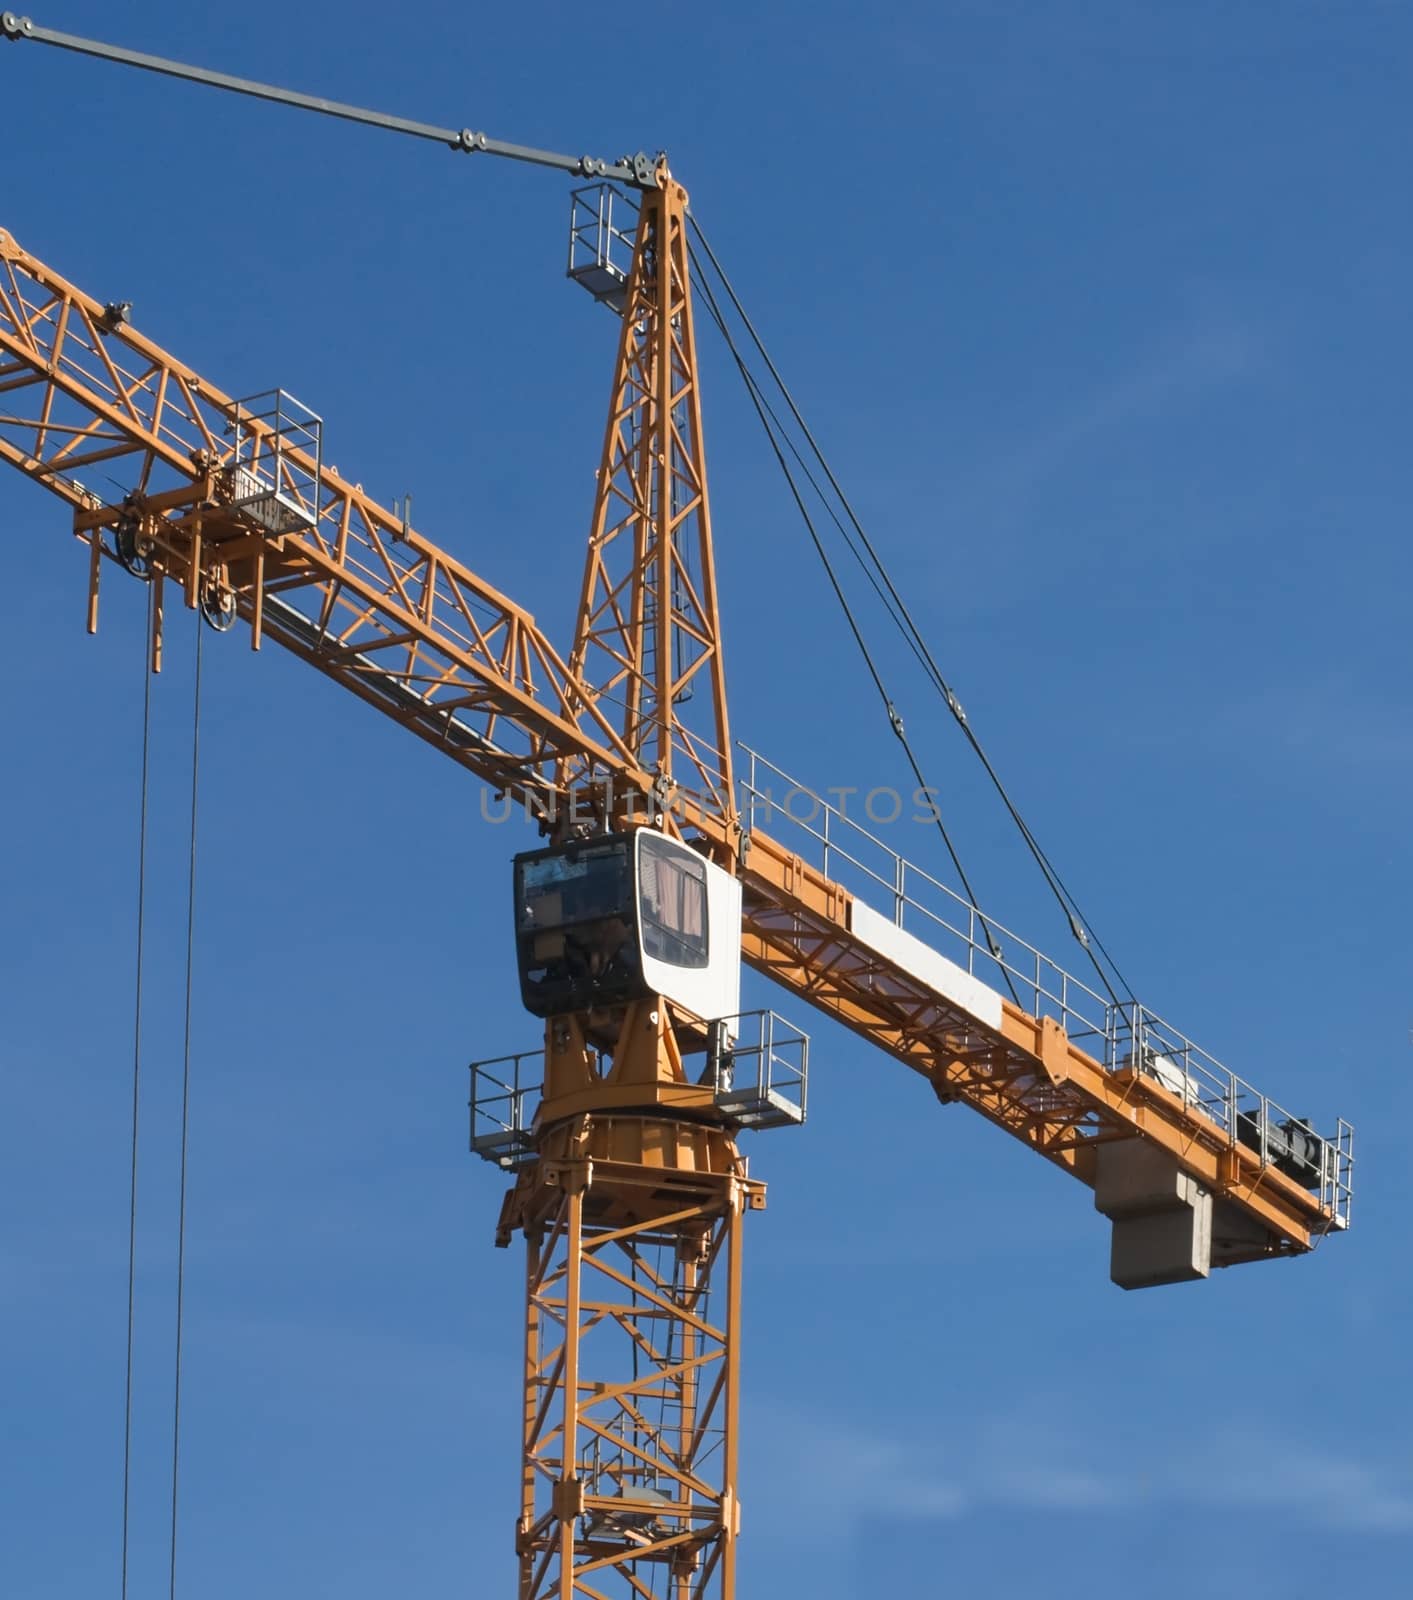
(860, 862)
(1121, 1035)
(757, 1068)
(603, 222)
(505, 1093)
(762, 1078)
(274, 436)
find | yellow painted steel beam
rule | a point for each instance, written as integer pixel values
(629, 1453)
(75, 380)
(1025, 1076)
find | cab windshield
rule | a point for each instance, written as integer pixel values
(672, 902)
(558, 891)
(574, 925)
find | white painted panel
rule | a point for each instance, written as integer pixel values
(713, 991)
(920, 961)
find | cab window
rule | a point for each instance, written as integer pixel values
(672, 903)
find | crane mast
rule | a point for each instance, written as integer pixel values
(657, 881)
(631, 1191)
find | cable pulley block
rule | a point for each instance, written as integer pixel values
(218, 607)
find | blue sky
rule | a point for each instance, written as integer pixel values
(1101, 313)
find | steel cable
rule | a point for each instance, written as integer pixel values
(186, 1106)
(902, 618)
(136, 1075)
(894, 719)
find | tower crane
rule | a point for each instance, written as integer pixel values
(657, 879)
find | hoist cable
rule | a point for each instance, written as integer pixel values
(186, 1105)
(903, 620)
(895, 721)
(136, 1074)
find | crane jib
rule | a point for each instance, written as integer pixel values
(506, 706)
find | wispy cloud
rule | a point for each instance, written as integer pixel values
(1337, 721)
(1178, 368)
(1331, 1489)
(841, 1477)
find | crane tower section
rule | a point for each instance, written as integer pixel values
(647, 644)
(630, 1190)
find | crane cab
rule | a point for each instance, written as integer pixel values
(604, 921)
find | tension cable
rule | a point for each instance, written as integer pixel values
(899, 613)
(894, 718)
